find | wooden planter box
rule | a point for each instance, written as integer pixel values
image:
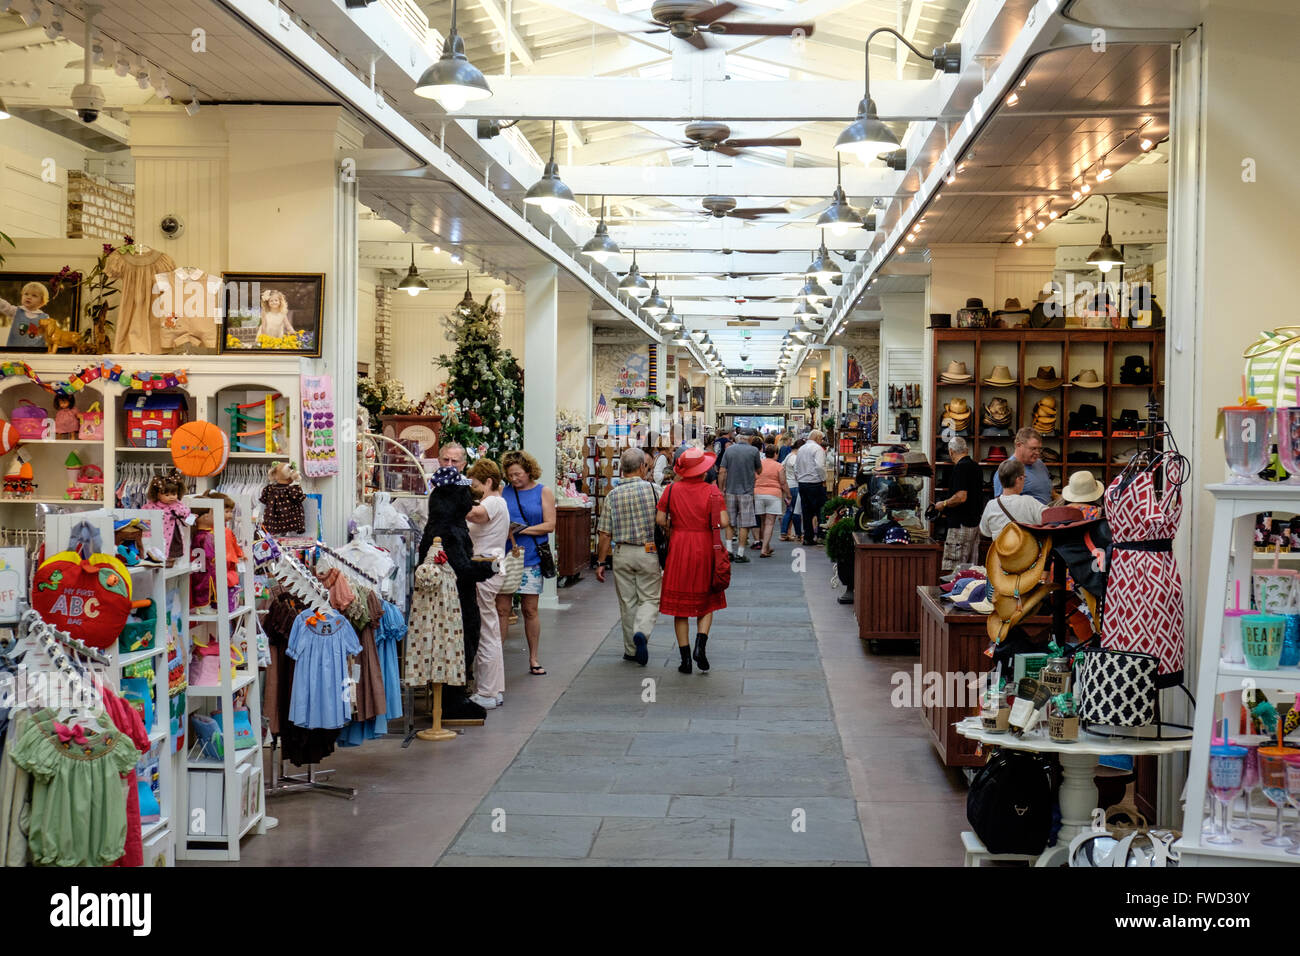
(885, 579)
(572, 542)
(953, 642)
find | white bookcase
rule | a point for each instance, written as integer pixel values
(1232, 558)
(224, 800)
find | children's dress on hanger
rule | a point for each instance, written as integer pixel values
(136, 329)
(435, 649)
(1144, 591)
(320, 644)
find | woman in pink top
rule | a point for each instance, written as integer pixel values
(770, 496)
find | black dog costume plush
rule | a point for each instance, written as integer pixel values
(449, 503)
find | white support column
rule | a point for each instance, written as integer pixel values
(541, 340)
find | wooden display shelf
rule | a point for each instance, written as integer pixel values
(885, 579)
(1103, 347)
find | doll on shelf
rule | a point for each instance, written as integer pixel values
(203, 579)
(165, 495)
(66, 420)
(282, 501)
(234, 554)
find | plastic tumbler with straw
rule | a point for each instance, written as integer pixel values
(1227, 770)
(1246, 444)
(1272, 778)
(1249, 781)
(1261, 640)
(1230, 649)
(1288, 439)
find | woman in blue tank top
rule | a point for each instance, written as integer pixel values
(533, 506)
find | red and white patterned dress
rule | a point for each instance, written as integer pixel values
(1144, 592)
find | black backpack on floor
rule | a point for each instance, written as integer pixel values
(1010, 803)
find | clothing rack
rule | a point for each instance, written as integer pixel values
(349, 569)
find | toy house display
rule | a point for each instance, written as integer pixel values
(151, 419)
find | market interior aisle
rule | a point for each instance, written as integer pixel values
(743, 763)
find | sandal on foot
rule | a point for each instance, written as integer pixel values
(537, 670)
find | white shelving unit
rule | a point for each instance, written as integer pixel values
(1232, 558)
(242, 806)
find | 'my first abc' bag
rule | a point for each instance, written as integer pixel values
(89, 597)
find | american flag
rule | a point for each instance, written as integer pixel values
(603, 415)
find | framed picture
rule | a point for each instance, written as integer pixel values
(796, 419)
(20, 335)
(826, 381)
(272, 313)
(697, 398)
(796, 403)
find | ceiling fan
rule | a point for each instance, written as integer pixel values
(720, 207)
(712, 137)
(690, 21)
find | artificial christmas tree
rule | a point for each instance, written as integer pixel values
(484, 379)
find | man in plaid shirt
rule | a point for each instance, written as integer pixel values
(627, 521)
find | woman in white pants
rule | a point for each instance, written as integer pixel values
(489, 527)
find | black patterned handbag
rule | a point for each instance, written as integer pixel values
(1116, 688)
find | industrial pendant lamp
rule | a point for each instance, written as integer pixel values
(1105, 257)
(806, 308)
(655, 304)
(839, 215)
(453, 81)
(634, 283)
(823, 267)
(812, 292)
(549, 192)
(867, 136)
(413, 284)
(600, 246)
(467, 303)
(670, 322)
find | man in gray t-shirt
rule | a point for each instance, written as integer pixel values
(737, 469)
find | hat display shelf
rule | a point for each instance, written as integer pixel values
(1066, 353)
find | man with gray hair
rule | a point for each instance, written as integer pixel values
(964, 507)
(1038, 481)
(810, 475)
(627, 523)
(452, 455)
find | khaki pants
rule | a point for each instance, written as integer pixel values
(489, 667)
(637, 579)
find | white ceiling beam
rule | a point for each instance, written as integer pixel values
(741, 181)
(510, 36)
(653, 261)
(742, 238)
(609, 20)
(910, 24)
(629, 99)
(603, 58)
(730, 288)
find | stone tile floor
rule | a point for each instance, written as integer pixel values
(590, 765)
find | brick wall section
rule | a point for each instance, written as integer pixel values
(99, 209)
(383, 333)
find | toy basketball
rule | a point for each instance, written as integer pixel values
(199, 449)
(8, 437)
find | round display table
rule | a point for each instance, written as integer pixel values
(1078, 794)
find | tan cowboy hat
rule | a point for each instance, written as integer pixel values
(1001, 375)
(956, 372)
(1083, 487)
(957, 406)
(1087, 379)
(1016, 560)
(1008, 612)
(1046, 378)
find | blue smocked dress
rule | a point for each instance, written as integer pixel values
(320, 691)
(389, 629)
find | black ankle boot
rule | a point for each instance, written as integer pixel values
(700, 641)
(685, 666)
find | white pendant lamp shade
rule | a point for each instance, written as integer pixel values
(453, 81)
(549, 192)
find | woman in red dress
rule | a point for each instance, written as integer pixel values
(692, 511)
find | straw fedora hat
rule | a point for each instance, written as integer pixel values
(1083, 487)
(956, 411)
(1001, 375)
(1046, 378)
(1009, 611)
(956, 372)
(1016, 560)
(1087, 379)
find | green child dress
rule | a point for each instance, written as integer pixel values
(78, 811)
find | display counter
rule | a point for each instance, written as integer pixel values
(885, 579)
(953, 642)
(572, 543)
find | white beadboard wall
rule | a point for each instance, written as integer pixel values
(418, 336)
(30, 206)
(195, 190)
(1022, 284)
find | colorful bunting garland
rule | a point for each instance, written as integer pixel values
(140, 380)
